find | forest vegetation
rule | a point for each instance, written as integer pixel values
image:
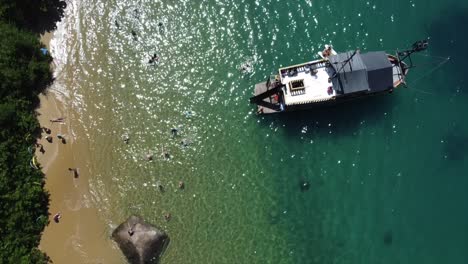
(24, 73)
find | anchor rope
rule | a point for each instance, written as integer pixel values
(447, 59)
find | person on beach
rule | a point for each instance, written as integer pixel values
(49, 139)
(47, 130)
(75, 172)
(57, 217)
(58, 120)
(41, 148)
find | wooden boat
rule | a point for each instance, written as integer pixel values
(334, 78)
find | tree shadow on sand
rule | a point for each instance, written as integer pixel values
(37, 16)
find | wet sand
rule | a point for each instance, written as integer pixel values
(81, 236)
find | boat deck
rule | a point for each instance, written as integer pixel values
(311, 81)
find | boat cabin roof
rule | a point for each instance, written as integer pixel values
(355, 72)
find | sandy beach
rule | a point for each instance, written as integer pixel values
(81, 236)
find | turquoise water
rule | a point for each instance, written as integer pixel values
(387, 175)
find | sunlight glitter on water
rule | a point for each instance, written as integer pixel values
(242, 171)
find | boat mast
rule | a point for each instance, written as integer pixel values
(418, 46)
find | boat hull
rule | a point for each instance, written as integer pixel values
(262, 109)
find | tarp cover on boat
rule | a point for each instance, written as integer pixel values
(379, 70)
(370, 72)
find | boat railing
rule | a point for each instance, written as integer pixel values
(310, 67)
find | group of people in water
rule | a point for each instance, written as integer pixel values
(165, 155)
(154, 59)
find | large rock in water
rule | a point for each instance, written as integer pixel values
(140, 242)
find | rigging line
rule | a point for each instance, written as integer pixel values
(422, 91)
(432, 56)
(419, 65)
(431, 71)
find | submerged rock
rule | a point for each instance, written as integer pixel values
(139, 241)
(388, 238)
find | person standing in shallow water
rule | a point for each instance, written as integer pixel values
(62, 138)
(174, 131)
(74, 171)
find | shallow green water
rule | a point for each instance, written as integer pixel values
(388, 175)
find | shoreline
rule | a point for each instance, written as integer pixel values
(81, 236)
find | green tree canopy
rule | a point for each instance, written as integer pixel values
(35, 15)
(24, 69)
(24, 73)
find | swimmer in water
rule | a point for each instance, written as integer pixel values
(246, 68)
(167, 216)
(181, 185)
(159, 186)
(125, 138)
(154, 59)
(134, 34)
(149, 156)
(185, 143)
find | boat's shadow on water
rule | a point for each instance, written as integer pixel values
(338, 120)
(447, 38)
